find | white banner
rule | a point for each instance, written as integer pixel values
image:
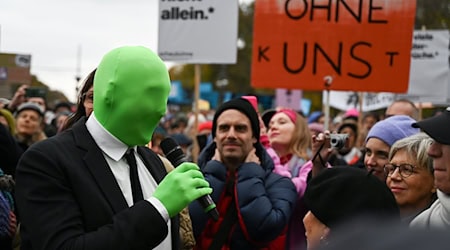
(429, 72)
(345, 100)
(198, 31)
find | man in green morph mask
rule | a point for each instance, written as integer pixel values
(96, 186)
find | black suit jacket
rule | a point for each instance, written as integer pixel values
(68, 198)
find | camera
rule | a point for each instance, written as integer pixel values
(35, 92)
(338, 141)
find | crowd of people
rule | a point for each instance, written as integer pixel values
(93, 175)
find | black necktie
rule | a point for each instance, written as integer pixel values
(134, 177)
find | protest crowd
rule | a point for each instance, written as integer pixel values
(122, 168)
(277, 177)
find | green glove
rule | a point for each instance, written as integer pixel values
(180, 187)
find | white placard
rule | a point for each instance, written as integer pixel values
(345, 100)
(429, 76)
(429, 72)
(198, 31)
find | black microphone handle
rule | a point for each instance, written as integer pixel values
(177, 157)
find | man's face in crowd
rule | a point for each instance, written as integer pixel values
(377, 155)
(400, 108)
(234, 136)
(441, 163)
(39, 101)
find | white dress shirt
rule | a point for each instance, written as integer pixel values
(114, 152)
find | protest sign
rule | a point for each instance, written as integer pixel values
(360, 45)
(198, 31)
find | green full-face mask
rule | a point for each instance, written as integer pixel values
(131, 87)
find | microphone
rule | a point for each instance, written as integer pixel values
(175, 155)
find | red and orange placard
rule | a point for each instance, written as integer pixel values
(360, 45)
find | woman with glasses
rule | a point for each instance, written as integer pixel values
(85, 102)
(410, 175)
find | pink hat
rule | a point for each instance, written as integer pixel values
(289, 112)
(351, 112)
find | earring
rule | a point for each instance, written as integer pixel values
(324, 240)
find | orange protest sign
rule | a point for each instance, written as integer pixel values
(362, 45)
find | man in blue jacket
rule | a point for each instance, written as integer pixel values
(254, 204)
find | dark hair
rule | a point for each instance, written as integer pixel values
(80, 111)
(371, 114)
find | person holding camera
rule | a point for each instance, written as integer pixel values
(36, 95)
(346, 153)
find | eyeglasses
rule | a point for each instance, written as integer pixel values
(405, 170)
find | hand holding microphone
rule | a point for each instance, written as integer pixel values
(191, 182)
(180, 187)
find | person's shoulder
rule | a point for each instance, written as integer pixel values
(54, 143)
(274, 179)
(423, 219)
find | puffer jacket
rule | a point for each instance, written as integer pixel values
(264, 201)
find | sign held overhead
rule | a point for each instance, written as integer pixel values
(364, 45)
(198, 31)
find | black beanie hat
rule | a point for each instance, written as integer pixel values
(242, 106)
(338, 194)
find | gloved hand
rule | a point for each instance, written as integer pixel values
(180, 187)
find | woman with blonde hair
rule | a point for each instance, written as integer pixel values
(410, 175)
(288, 141)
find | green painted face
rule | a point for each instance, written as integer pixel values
(131, 87)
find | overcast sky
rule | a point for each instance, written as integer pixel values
(52, 31)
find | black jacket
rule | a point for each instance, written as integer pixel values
(68, 198)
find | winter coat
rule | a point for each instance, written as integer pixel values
(264, 202)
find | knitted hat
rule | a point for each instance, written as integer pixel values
(436, 127)
(338, 194)
(314, 116)
(30, 106)
(351, 113)
(242, 106)
(393, 129)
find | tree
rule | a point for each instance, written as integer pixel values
(433, 14)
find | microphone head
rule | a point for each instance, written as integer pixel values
(168, 144)
(172, 151)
